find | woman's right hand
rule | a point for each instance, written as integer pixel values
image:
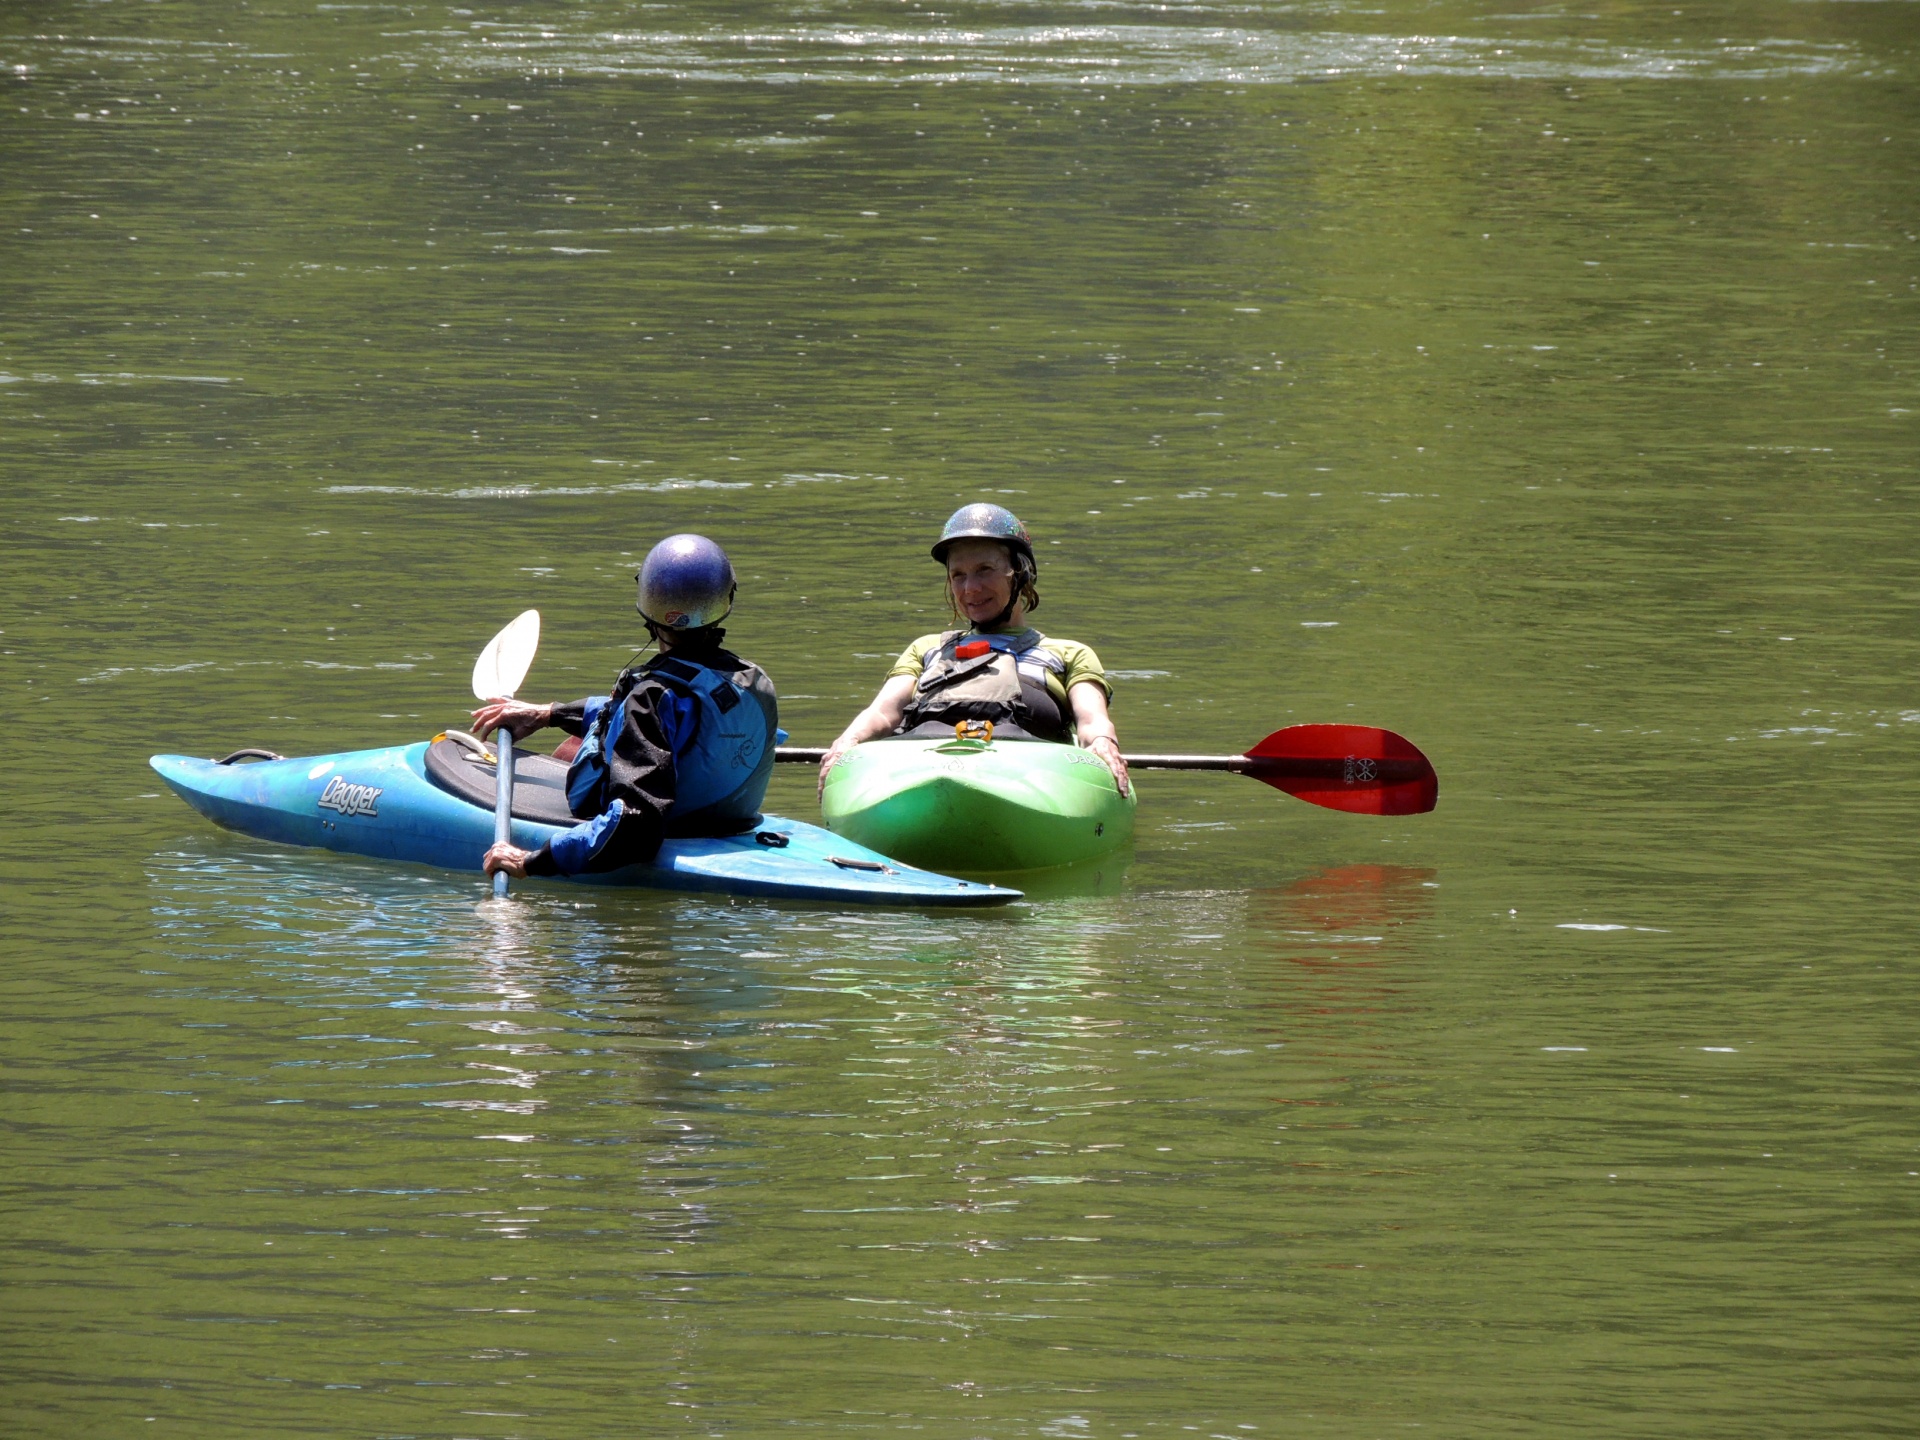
(882, 717)
(827, 762)
(519, 718)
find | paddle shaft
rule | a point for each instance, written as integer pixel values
(496, 676)
(801, 755)
(1260, 767)
(1235, 764)
(502, 800)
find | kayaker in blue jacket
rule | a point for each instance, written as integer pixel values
(995, 667)
(682, 746)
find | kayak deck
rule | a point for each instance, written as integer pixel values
(978, 806)
(380, 803)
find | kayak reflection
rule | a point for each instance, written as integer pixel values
(1104, 875)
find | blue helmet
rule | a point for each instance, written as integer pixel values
(981, 521)
(686, 583)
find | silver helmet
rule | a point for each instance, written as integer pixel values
(686, 583)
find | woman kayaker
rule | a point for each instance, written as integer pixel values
(996, 667)
(684, 744)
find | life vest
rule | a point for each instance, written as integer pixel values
(722, 763)
(1002, 678)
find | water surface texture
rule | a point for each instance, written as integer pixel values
(1536, 381)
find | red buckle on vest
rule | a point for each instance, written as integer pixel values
(971, 649)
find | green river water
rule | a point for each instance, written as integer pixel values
(1536, 381)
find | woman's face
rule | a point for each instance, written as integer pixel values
(980, 574)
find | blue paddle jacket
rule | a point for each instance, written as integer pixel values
(682, 746)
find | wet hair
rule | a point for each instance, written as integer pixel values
(1026, 578)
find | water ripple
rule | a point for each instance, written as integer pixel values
(1110, 54)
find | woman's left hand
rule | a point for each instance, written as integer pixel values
(510, 858)
(1108, 749)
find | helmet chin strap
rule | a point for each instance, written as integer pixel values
(652, 640)
(1006, 614)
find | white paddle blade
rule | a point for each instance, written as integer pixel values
(509, 655)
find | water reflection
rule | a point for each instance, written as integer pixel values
(1106, 875)
(510, 970)
(1351, 905)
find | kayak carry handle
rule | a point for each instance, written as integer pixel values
(846, 863)
(472, 743)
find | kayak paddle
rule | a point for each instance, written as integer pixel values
(1361, 769)
(496, 676)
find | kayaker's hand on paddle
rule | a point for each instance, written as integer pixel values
(518, 716)
(510, 858)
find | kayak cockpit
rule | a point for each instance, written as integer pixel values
(539, 781)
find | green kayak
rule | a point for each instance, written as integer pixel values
(977, 805)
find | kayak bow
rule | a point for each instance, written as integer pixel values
(977, 806)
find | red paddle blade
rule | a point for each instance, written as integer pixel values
(1357, 768)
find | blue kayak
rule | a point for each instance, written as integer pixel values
(430, 804)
